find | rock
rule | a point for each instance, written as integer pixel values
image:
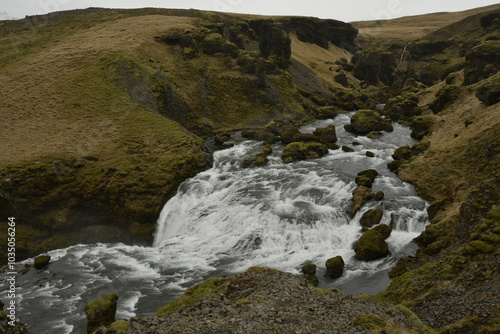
(309, 268)
(421, 126)
(360, 196)
(305, 137)
(302, 151)
(420, 147)
(258, 160)
(262, 135)
(373, 67)
(335, 266)
(369, 173)
(364, 181)
(371, 246)
(394, 165)
(445, 97)
(42, 261)
(402, 153)
(489, 92)
(326, 135)
(120, 327)
(371, 217)
(287, 133)
(326, 112)
(402, 107)
(383, 229)
(379, 196)
(370, 154)
(482, 61)
(374, 135)
(366, 121)
(101, 312)
(215, 43)
(341, 79)
(347, 149)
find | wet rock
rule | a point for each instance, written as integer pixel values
(369, 173)
(302, 151)
(371, 217)
(379, 196)
(370, 154)
(360, 196)
(394, 165)
(364, 181)
(347, 149)
(326, 135)
(420, 147)
(371, 246)
(101, 312)
(287, 133)
(335, 266)
(258, 160)
(402, 153)
(383, 229)
(42, 261)
(366, 121)
(374, 135)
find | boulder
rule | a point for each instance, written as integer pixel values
(371, 246)
(302, 151)
(394, 165)
(311, 279)
(489, 92)
(101, 312)
(215, 43)
(341, 79)
(370, 154)
(347, 149)
(309, 268)
(371, 217)
(383, 229)
(335, 266)
(374, 135)
(258, 160)
(364, 181)
(360, 196)
(402, 153)
(326, 135)
(42, 261)
(445, 97)
(420, 147)
(366, 121)
(369, 173)
(379, 196)
(482, 61)
(402, 107)
(287, 133)
(421, 126)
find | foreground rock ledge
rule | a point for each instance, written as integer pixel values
(264, 300)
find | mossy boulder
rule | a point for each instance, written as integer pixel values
(394, 165)
(311, 279)
(347, 149)
(119, 327)
(309, 268)
(489, 91)
(402, 107)
(402, 153)
(258, 160)
(370, 322)
(366, 121)
(101, 312)
(369, 173)
(215, 43)
(341, 78)
(287, 133)
(42, 261)
(482, 61)
(370, 154)
(374, 135)
(302, 151)
(371, 217)
(326, 135)
(360, 196)
(446, 95)
(364, 181)
(421, 126)
(420, 147)
(335, 266)
(384, 229)
(371, 246)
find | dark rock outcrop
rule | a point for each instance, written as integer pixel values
(446, 95)
(489, 91)
(482, 61)
(374, 67)
(302, 151)
(366, 121)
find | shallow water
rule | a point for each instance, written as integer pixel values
(227, 219)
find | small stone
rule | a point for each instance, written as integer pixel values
(42, 261)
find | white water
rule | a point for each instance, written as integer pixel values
(227, 219)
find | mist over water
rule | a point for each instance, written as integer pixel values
(226, 219)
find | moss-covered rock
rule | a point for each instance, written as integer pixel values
(371, 246)
(309, 268)
(374, 135)
(370, 322)
(421, 126)
(215, 42)
(384, 229)
(42, 262)
(402, 153)
(402, 107)
(369, 173)
(335, 266)
(489, 91)
(366, 121)
(287, 133)
(364, 181)
(379, 196)
(119, 327)
(258, 160)
(360, 196)
(101, 312)
(482, 61)
(326, 135)
(371, 217)
(347, 149)
(446, 95)
(302, 151)
(420, 147)
(311, 279)
(394, 165)
(370, 154)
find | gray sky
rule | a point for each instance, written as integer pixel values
(344, 10)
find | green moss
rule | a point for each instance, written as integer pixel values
(371, 217)
(371, 246)
(327, 291)
(119, 327)
(402, 153)
(370, 322)
(421, 126)
(478, 246)
(302, 151)
(210, 287)
(262, 270)
(416, 323)
(362, 180)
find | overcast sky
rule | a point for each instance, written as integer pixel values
(344, 10)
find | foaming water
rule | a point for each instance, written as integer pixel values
(227, 219)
